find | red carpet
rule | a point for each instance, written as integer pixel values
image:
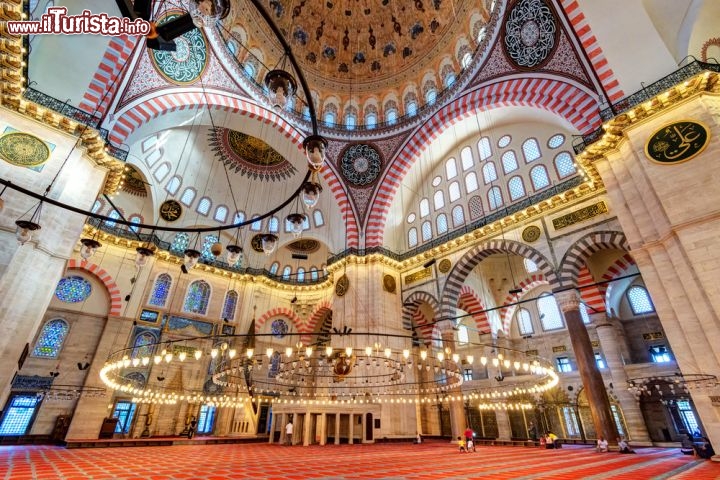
(431, 460)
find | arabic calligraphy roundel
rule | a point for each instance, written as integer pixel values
(530, 33)
(360, 164)
(187, 63)
(677, 142)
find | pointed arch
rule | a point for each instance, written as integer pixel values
(589, 292)
(472, 258)
(106, 279)
(471, 303)
(507, 312)
(577, 255)
(415, 320)
(621, 267)
(280, 312)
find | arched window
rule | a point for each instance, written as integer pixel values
(301, 274)
(549, 312)
(564, 165)
(249, 70)
(441, 224)
(180, 242)
(228, 312)
(640, 301)
(509, 161)
(329, 118)
(556, 140)
(495, 199)
(516, 188)
(449, 79)
(412, 237)
(450, 169)
(431, 96)
(471, 182)
(465, 61)
(454, 191)
(135, 220)
(274, 268)
(143, 345)
(484, 148)
(424, 207)
(239, 217)
(204, 205)
(411, 108)
(439, 200)
(462, 335)
(426, 231)
(370, 120)
(286, 273)
(197, 298)
(489, 172)
(458, 216)
(475, 207)
(160, 291)
(221, 213)
(531, 150)
(350, 121)
(256, 226)
(313, 274)
(208, 242)
(539, 177)
(524, 322)
(273, 225)
(188, 196)
(97, 206)
(466, 158)
(391, 116)
(232, 47)
(51, 339)
(115, 215)
(173, 185)
(162, 171)
(318, 218)
(530, 266)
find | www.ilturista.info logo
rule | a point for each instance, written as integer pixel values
(56, 21)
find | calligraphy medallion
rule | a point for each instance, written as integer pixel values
(187, 63)
(677, 142)
(170, 210)
(23, 149)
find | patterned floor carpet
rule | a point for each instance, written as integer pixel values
(432, 460)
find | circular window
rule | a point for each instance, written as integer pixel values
(279, 328)
(436, 181)
(504, 141)
(411, 218)
(556, 140)
(73, 289)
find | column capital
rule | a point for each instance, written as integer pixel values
(568, 300)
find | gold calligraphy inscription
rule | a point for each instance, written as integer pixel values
(595, 343)
(170, 210)
(653, 336)
(677, 142)
(559, 348)
(419, 275)
(580, 215)
(531, 353)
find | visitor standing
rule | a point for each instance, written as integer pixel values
(289, 433)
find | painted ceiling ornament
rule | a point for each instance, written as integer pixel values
(360, 164)
(305, 245)
(530, 32)
(133, 183)
(249, 156)
(23, 149)
(187, 63)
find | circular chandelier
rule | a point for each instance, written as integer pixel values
(337, 371)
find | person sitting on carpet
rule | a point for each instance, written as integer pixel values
(624, 447)
(703, 449)
(602, 445)
(552, 441)
(687, 447)
(461, 444)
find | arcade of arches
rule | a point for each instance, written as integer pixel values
(455, 210)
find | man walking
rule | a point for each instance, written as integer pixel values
(289, 433)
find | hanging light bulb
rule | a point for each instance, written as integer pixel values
(234, 253)
(198, 354)
(269, 243)
(308, 351)
(441, 356)
(470, 359)
(191, 258)
(269, 352)
(157, 359)
(214, 352)
(315, 146)
(89, 247)
(455, 357)
(311, 191)
(483, 360)
(288, 352)
(296, 222)
(281, 87)
(168, 357)
(205, 13)
(368, 350)
(182, 356)
(145, 361)
(388, 352)
(142, 256)
(25, 229)
(423, 354)
(348, 351)
(406, 354)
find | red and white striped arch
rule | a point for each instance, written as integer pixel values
(147, 108)
(469, 302)
(112, 287)
(621, 267)
(507, 312)
(589, 293)
(283, 312)
(576, 105)
(338, 191)
(318, 315)
(592, 49)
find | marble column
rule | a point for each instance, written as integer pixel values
(337, 429)
(273, 426)
(503, 424)
(457, 409)
(307, 427)
(607, 333)
(593, 384)
(351, 427)
(283, 435)
(323, 428)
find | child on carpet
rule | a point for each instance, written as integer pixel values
(461, 444)
(624, 447)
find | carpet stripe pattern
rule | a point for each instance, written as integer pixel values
(431, 460)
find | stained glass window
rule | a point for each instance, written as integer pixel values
(180, 243)
(530, 266)
(301, 274)
(135, 220)
(208, 242)
(274, 268)
(273, 225)
(454, 191)
(471, 182)
(206, 419)
(73, 289)
(370, 120)
(20, 411)
(137, 378)
(124, 412)
(450, 169)
(458, 216)
(313, 273)
(509, 161)
(516, 188)
(412, 237)
(97, 206)
(539, 177)
(231, 299)
(466, 158)
(564, 164)
(286, 273)
(431, 96)
(441, 223)
(279, 328)
(274, 365)
(114, 215)
(51, 339)
(531, 150)
(239, 217)
(160, 291)
(256, 226)
(411, 108)
(640, 301)
(142, 346)
(198, 297)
